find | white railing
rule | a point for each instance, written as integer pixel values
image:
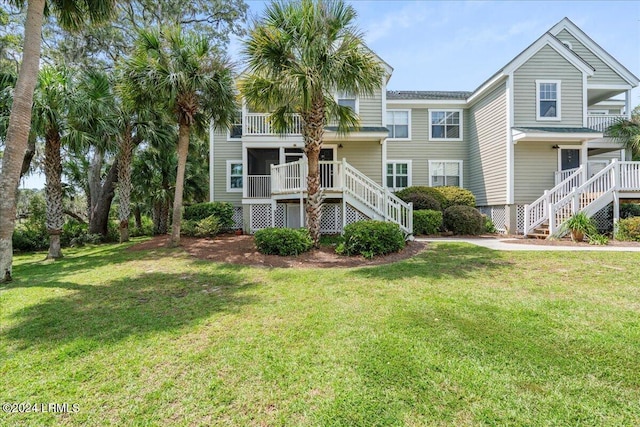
(583, 197)
(538, 212)
(291, 178)
(602, 122)
(629, 176)
(383, 203)
(562, 175)
(258, 124)
(259, 186)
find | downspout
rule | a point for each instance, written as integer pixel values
(211, 159)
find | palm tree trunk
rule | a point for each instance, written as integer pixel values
(53, 192)
(28, 155)
(18, 133)
(124, 183)
(99, 223)
(313, 131)
(183, 150)
(138, 217)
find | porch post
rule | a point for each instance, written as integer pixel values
(552, 219)
(616, 212)
(627, 104)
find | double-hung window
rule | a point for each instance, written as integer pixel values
(235, 130)
(347, 99)
(445, 173)
(399, 123)
(548, 100)
(445, 125)
(234, 175)
(398, 174)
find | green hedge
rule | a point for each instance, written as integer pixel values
(283, 241)
(463, 220)
(629, 229)
(221, 210)
(370, 238)
(422, 197)
(456, 196)
(206, 227)
(427, 221)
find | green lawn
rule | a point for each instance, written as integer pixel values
(459, 335)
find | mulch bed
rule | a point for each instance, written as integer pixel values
(241, 250)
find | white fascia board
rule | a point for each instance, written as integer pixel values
(610, 103)
(588, 42)
(606, 86)
(356, 136)
(519, 135)
(486, 87)
(548, 40)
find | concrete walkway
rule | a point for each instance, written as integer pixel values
(499, 244)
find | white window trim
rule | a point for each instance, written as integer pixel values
(409, 173)
(558, 101)
(229, 189)
(460, 168)
(447, 110)
(229, 139)
(337, 97)
(408, 111)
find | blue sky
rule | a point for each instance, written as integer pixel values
(448, 45)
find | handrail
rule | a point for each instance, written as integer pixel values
(582, 197)
(537, 212)
(289, 178)
(564, 174)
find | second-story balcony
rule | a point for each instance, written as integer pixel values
(258, 124)
(601, 122)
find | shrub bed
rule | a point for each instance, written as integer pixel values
(206, 227)
(629, 229)
(427, 221)
(370, 238)
(283, 241)
(221, 210)
(463, 220)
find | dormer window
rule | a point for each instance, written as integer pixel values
(548, 100)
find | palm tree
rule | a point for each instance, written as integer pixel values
(627, 132)
(300, 55)
(182, 73)
(48, 122)
(71, 14)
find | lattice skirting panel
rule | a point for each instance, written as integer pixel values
(237, 218)
(498, 215)
(604, 219)
(520, 219)
(331, 220)
(354, 215)
(260, 216)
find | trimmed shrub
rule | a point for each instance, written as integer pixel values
(427, 221)
(222, 210)
(422, 198)
(456, 196)
(463, 220)
(370, 238)
(283, 241)
(208, 227)
(629, 229)
(629, 210)
(27, 239)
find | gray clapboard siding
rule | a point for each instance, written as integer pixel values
(370, 109)
(420, 150)
(224, 150)
(547, 64)
(487, 138)
(366, 156)
(535, 165)
(603, 73)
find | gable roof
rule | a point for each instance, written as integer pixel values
(589, 43)
(428, 95)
